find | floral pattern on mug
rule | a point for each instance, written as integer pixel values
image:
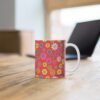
(54, 46)
(43, 56)
(49, 61)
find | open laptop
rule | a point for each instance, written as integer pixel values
(85, 35)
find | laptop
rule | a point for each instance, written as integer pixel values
(85, 35)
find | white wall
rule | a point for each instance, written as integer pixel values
(30, 15)
(23, 15)
(7, 14)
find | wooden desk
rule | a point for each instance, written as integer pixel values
(17, 82)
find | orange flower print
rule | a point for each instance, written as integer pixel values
(47, 45)
(36, 45)
(59, 71)
(44, 64)
(44, 71)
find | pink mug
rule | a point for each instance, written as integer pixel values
(50, 58)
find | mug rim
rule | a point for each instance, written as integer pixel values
(48, 40)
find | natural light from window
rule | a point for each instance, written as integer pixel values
(63, 21)
(79, 14)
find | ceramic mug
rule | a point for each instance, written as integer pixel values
(50, 58)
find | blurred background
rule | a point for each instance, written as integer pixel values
(24, 21)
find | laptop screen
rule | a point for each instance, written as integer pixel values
(85, 35)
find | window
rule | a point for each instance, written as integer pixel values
(63, 21)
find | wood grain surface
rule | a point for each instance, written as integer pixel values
(17, 81)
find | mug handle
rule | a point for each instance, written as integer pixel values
(78, 56)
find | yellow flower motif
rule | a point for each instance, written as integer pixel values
(47, 45)
(60, 65)
(36, 45)
(44, 71)
(59, 71)
(44, 64)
